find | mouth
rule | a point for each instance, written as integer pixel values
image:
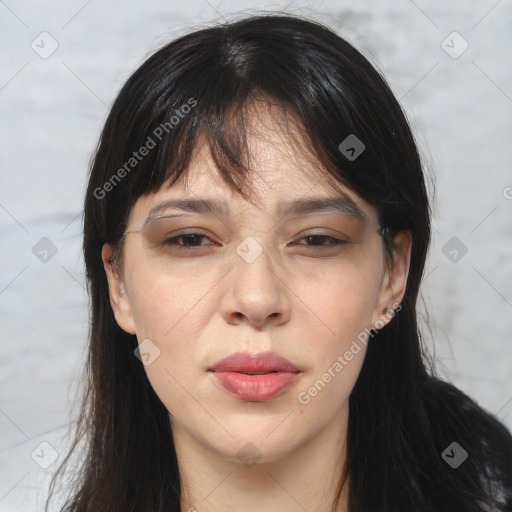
(255, 377)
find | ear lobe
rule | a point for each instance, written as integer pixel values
(119, 299)
(394, 282)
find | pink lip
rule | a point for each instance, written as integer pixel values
(272, 374)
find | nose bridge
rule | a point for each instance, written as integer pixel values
(255, 291)
(254, 263)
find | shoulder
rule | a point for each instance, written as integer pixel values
(474, 444)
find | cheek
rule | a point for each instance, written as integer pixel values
(165, 312)
(165, 301)
(343, 301)
(343, 295)
(172, 311)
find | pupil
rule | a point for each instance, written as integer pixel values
(194, 239)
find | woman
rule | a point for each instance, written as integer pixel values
(256, 228)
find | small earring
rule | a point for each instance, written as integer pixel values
(386, 310)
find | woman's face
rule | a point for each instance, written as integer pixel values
(283, 278)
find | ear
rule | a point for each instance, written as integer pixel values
(394, 282)
(119, 299)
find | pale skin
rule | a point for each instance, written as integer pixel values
(198, 306)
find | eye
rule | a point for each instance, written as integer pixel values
(188, 240)
(321, 241)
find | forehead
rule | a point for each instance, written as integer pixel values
(274, 152)
(281, 168)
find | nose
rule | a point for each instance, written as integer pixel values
(256, 293)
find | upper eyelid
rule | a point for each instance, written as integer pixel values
(340, 238)
(381, 230)
(306, 232)
(336, 241)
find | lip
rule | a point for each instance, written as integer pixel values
(255, 377)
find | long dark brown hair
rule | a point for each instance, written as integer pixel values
(402, 416)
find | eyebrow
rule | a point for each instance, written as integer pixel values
(191, 205)
(340, 204)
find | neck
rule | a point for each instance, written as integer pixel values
(306, 479)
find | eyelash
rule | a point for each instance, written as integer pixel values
(334, 241)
